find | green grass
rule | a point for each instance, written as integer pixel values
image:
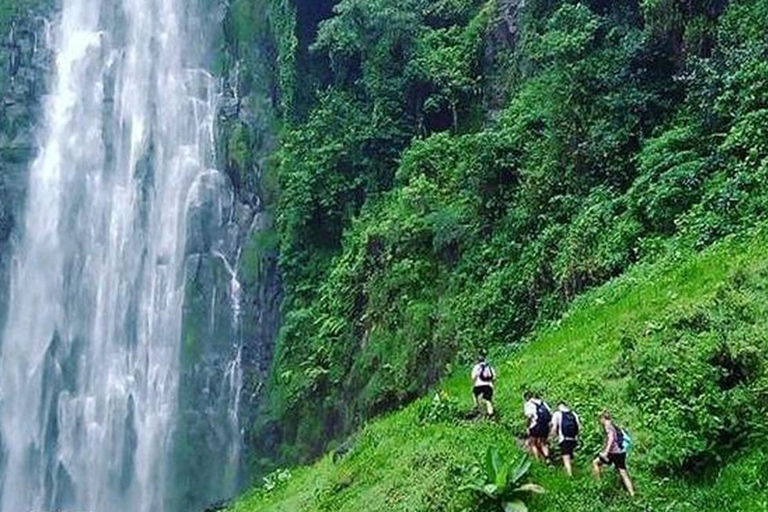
(398, 463)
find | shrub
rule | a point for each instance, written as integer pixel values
(442, 408)
(500, 483)
(696, 378)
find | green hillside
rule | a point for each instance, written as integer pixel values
(452, 173)
(454, 176)
(676, 350)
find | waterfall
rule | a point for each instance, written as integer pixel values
(90, 359)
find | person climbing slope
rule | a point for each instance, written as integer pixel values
(483, 376)
(539, 417)
(566, 426)
(615, 452)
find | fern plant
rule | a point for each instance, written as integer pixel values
(502, 482)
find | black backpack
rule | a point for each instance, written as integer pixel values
(543, 415)
(569, 427)
(486, 373)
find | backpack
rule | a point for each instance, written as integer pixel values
(543, 415)
(623, 439)
(486, 373)
(569, 427)
(626, 441)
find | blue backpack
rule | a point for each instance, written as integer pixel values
(623, 439)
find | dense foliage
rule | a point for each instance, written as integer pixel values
(453, 171)
(677, 350)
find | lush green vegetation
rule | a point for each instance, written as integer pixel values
(453, 172)
(677, 350)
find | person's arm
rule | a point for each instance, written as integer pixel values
(555, 423)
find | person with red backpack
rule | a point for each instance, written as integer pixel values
(483, 376)
(565, 427)
(615, 452)
(539, 418)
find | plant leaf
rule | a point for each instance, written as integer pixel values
(515, 506)
(533, 488)
(476, 488)
(497, 464)
(522, 467)
(502, 477)
(490, 470)
(491, 490)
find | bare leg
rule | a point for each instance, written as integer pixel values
(627, 481)
(530, 443)
(597, 468)
(544, 447)
(489, 407)
(537, 449)
(568, 463)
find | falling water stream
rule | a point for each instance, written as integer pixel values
(90, 354)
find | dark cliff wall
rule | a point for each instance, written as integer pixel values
(24, 65)
(233, 289)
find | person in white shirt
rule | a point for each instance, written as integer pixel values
(566, 426)
(483, 376)
(539, 418)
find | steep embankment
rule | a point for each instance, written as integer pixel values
(451, 172)
(676, 350)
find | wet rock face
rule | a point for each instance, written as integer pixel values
(24, 68)
(233, 290)
(510, 11)
(249, 105)
(499, 43)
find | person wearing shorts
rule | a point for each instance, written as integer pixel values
(539, 418)
(566, 426)
(613, 454)
(483, 376)
(617, 460)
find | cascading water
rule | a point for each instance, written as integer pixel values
(90, 359)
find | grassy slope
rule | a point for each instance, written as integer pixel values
(398, 464)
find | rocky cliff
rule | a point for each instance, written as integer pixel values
(24, 66)
(233, 289)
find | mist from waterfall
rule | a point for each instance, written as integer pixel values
(91, 352)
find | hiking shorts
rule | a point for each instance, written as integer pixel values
(568, 446)
(539, 431)
(484, 392)
(617, 460)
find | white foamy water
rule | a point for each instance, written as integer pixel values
(89, 361)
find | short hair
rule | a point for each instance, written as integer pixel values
(605, 415)
(528, 394)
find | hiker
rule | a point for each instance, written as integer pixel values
(615, 452)
(483, 376)
(566, 427)
(539, 417)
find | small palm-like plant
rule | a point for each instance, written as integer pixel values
(503, 485)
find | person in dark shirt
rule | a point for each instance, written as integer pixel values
(614, 453)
